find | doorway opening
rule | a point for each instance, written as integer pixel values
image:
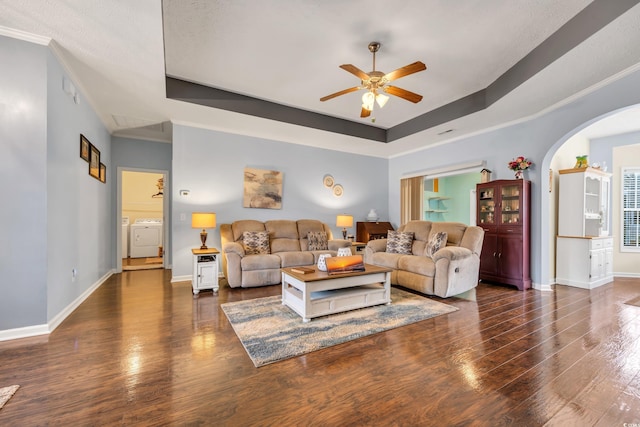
(141, 213)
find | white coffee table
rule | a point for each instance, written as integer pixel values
(319, 293)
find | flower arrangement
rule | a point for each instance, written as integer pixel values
(519, 164)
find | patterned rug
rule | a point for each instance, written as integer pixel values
(270, 331)
(6, 393)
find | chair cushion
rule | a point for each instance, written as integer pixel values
(317, 241)
(436, 241)
(256, 242)
(399, 242)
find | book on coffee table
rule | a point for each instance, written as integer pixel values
(302, 270)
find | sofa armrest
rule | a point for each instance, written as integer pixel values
(452, 253)
(233, 248)
(377, 245)
(336, 244)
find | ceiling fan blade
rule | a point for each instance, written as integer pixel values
(403, 93)
(355, 71)
(405, 71)
(342, 92)
(365, 113)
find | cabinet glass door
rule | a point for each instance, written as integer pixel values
(510, 197)
(486, 205)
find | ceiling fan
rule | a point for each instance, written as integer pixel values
(375, 82)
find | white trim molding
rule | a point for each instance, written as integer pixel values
(30, 331)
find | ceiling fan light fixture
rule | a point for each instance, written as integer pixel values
(381, 99)
(367, 100)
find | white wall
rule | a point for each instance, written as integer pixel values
(211, 164)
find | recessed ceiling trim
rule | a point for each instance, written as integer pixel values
(583, 25)
(217, 98)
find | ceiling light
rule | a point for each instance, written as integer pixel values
(381, 99)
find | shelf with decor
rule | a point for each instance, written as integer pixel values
(584, 254)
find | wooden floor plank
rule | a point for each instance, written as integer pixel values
(143, 351)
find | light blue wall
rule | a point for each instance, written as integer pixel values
(211, 164)
(537, 139)
(23, 174)
(56, 217)
(79, 214)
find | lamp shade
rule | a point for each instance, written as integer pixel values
(203, 220)
(344, 221)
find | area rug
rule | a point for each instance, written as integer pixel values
(270, 331)
(635, 301)
(6, 393)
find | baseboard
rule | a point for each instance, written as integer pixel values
(59, 318)
(543, 287)
(30, 331)
(632, 275)
(176, 279)
(26, 332)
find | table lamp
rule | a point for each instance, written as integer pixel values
(344, 221)
(203, 220)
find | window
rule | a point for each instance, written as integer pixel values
(631, 209)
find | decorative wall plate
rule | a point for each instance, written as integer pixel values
(328, 181)
(337, 190)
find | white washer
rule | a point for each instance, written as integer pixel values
(146, 237)
(125, 237)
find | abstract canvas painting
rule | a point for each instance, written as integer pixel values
(262, 189)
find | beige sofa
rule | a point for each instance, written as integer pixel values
(450, 271)
(288, 246)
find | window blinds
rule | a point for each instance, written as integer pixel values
(631, 208)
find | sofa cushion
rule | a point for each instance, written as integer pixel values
(436, 242)
(260, 262)
(283, 234)
(293, 259)
(418, 265)
(399, 242)
(317, 241)
(454, 230)
(256, 242)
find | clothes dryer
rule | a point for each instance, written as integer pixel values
(145, 237)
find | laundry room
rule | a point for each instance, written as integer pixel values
(142, 220)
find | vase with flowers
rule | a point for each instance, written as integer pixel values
(519, 165)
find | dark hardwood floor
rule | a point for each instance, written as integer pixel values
(143, 351)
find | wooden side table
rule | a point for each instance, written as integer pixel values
(357, 248)
(205, 270)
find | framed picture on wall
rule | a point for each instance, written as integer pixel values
(103, 173)
(84, 148)
(94, 162)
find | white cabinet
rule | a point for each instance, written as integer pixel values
(583, 208)
(584, 262)
(584, 253)
(205, 270)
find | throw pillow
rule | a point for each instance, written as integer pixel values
(256, 242)
(317, 241)
(399, 242)
(435, 243)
